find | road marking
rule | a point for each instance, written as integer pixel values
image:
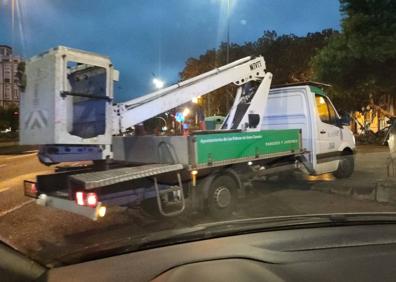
(2, 165)
(4, 189)
(21, 156)
(16, 207)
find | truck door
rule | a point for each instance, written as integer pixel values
(328, 136)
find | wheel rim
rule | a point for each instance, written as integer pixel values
(222, 196)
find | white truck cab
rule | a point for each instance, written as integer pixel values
(329, 143)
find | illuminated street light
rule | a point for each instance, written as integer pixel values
(158, 83)
(195, 100)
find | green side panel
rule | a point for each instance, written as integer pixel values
(225, 146)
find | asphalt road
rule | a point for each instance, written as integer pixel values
(45, 233)
(14, 168)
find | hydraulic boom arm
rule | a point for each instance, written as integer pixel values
(140, 109)
(68, 109)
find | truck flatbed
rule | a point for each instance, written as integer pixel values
(209, 150)
(193, 152)
(92, 180)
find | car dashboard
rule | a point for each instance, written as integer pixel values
(340, 253)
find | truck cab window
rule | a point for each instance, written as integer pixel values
(89, 118)
(322, 108)
(332, 112)
(325, 110)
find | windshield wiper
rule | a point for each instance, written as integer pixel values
(223, 228)
(334, 218)
(123, 245)
(298, 221)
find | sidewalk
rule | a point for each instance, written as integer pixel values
(369, 181)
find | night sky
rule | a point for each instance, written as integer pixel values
(146, 37)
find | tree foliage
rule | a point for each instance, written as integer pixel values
(288, 57)
(9, 117)
(361, 60)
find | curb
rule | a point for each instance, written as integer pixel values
(386, 191)
(380, 190)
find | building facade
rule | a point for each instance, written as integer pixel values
(9, 90)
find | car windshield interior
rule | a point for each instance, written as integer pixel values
(129, 125)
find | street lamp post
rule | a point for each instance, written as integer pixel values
(228, 45)
(228, 32)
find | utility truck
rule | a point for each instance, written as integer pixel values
(67, 109)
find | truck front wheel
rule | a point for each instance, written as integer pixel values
(222, 196)
(346, 166)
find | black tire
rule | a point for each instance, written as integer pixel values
(222, 197)
(346, 166)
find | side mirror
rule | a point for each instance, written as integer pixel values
(391, 121)
(254, 120)
(345, 120)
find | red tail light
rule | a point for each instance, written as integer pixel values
(86, 199)
(30, 189)
(80, 198)
(92, 199)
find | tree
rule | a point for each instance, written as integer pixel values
(9, 118)
(288, 57)
(361, 60)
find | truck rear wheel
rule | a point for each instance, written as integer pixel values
(346, 166)
(222, 196)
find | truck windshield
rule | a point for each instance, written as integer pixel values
(124, 121)
(325, 109)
